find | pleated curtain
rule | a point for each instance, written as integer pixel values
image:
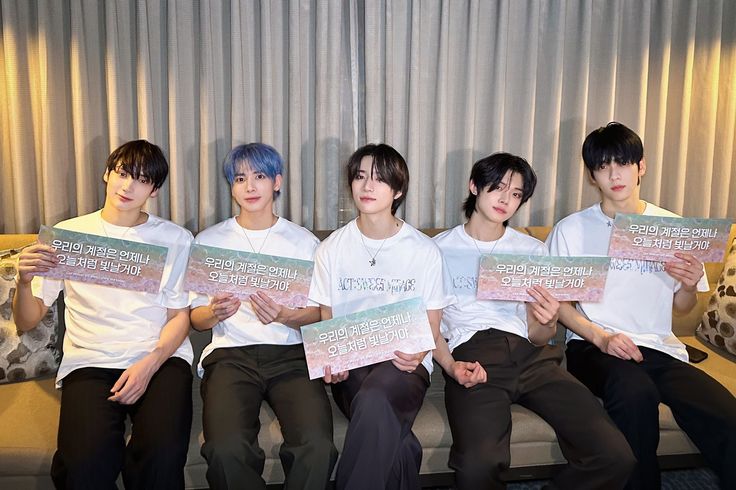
(445, 82)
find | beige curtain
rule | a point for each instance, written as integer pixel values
(445, 82)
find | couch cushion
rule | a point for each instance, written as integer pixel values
(718, 326)
(25, 355)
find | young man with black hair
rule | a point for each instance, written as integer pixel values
(375, 260)
(126, 353)
(623, 347)
(509, 340)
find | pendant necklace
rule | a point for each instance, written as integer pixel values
(372, 260)
(242, 228)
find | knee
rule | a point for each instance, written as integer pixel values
(228, 448)
(634, 398)
(161, 452)
(371, 401)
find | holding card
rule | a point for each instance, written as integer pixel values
(658, 238)
(105, 261)
(508, 277)
(367, 337)
(213, 270)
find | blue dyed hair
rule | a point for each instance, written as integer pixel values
(259, 157)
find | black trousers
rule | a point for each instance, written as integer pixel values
(236, 381)
(631, 393)
(91, 444)
(380, 449)
(518, 372)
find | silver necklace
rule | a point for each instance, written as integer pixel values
(475, 242)
(242, 228)
(104, 229)
(372, 260)
(373, 257)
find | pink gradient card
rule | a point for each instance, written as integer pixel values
(657, 238)
(507, 277)
(105, 261)
(367, 337)
(213, 270)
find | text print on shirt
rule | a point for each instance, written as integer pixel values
(378, 284)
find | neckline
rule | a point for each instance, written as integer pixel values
(378, 241)
(255, 233)
(107, 224)
(480, 243)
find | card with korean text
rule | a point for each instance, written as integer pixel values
(112, 262)
(508, 276)
(367, 337)
(213, 270)
(657, 238)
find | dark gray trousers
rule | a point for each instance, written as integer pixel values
(236, 381)
(631, 393)
(380, 450)
(518, 372)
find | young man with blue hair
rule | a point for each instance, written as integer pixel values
(256, 352)
(623, 347)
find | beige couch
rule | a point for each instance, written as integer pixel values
(29, 416)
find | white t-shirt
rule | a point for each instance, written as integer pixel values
(285, 239)
(408, 265)
(470, 315)
(637, 300)
(114, 328)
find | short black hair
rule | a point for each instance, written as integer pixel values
(140, 157)
(613, 142)
(488, 173)
(388, 164)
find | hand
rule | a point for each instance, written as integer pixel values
(688, 270)
(35, 259)
(407, 362)
(335, 378)
(131, 385)
(224, 305)
(621, 346)
(468, 373)
(266, 309)
(545, 307)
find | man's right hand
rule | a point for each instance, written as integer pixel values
(34, 260)
(621, 346)
(468, 374)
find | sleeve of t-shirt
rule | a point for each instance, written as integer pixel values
(541, 249)
(319, 290)
(436, 294)
(703, 285)
(557, 244)
(198, 299)
(314, 244)
(46, 289)
(174, 295)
